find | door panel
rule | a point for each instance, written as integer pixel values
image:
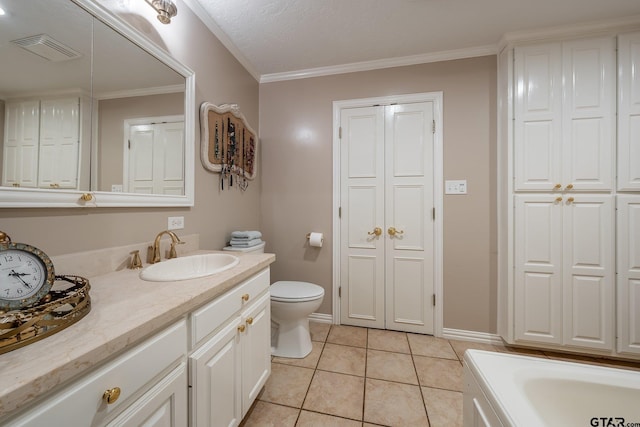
(628, 286)
(365, 303)
(588, 271)
(629, 111)
(538, 281)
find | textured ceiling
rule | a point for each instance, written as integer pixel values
(283, 36)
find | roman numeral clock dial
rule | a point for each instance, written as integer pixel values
(26, 274)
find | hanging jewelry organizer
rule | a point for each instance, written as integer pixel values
(229, 145)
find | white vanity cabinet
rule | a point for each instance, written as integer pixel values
(232, 357)
(151, 380)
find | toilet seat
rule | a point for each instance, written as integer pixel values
(291, 291)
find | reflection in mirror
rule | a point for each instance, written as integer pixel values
(45, 89)
(107, 119)
(139, 113)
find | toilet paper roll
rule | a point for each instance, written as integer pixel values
(315, 239)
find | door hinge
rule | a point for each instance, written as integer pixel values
(340, 132)
(129, 144)
(340, 212)
(433, 213)
(434, 300)
(339, 291)
(433, 126)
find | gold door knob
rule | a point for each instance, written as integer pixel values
(392, 231)
(568, 187)
(557, 186)
(245, 297)
(110, 396)
(570, 200)
(242, 328)
(250, 321)
(376, 231)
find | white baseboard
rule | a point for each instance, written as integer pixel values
(321, 318)
(482, 337)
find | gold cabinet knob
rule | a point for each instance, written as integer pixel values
(393, 231)
(110, 396)
(558, 199)
(242, 328)
(250, 321)
(557, 186)
(570, 200)
(376, 231)
(245, 297)
(87, 197)
(568, 187)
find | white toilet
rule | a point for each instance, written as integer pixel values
(291, 304)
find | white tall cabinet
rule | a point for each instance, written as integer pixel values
(557, 194)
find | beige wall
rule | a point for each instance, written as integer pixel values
(112, 114)
(219, 79)
(296, 136)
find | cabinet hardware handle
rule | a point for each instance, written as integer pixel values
(241, 328)
(568, 187)
(376, 231)
(245, 297)
(250, 321)
(392, 231)
(558, 199)
(87, 197)
(557, 186)
(570, 200)
(110, 396)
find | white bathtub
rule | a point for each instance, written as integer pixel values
(510, 390)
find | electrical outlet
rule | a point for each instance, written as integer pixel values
(175, 223)
(116, 188)
(455, 187)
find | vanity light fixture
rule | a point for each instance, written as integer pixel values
(2, 12)
(166, 9)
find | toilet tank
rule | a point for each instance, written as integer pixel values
(257, 249)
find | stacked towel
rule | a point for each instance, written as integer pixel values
(245, 239)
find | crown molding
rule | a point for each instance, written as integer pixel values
(159, 90)
(204, 16)
(571, 31)
(382, 63)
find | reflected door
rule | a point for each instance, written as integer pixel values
(156, 158)
(387, 242)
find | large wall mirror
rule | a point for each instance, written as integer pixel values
(91, 112)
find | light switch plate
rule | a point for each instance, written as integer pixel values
(455, 187)
(175, 223)
(116, 188)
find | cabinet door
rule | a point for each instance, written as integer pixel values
(59, 143)
(215, 380)
(628, 286)
(20, 148)
(537, 117)
(588, 271)
(165, 405)
(588, 114)
(538, 268)
(256, 350)
(629, 112)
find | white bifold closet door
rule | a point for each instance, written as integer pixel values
(387, 227)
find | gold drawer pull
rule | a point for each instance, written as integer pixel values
(558, 199)
(250, 321)
(570, 200)
(110, 396)
(557, 186)
(241, 328)
(245, 297)
(568, 187)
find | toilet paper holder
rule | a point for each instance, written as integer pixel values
(315, 239)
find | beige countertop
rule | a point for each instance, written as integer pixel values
(124, 311)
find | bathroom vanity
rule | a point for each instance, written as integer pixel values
(193, 352)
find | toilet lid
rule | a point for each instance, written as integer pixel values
(295, 291)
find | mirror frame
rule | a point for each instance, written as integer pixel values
(45, 198)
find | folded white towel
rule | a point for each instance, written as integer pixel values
(243, 243)
(249, 235)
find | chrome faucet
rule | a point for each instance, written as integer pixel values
(156, 246)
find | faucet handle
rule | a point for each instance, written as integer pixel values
(136, 262)
(172, 250)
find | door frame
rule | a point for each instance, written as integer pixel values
(436, 98)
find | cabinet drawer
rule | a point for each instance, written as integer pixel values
(208, 318)
(82, 404)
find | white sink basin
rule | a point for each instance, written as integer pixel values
(189, 267)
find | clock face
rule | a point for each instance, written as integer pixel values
(23, 276)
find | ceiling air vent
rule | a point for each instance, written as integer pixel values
(47, 47)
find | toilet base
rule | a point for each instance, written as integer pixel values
(292, 339)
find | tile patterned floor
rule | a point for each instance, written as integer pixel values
(358, 377)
